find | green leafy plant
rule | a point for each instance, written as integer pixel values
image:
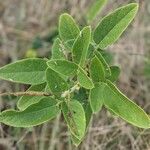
(73, 82)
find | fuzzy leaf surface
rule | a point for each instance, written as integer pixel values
(64, 67)
(74, 115)
(26, 71)
(80, 47)
(115, 72)
(105, 64)
(55, 82)
(96, 97)
(113, 25)
(84, 80)
(124, 107)
(97, 71)
(57, 52)
(34, 115)
(68, 29)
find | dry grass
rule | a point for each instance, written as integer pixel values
(21, 21)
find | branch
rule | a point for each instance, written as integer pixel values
(36, 93)
(27, 93)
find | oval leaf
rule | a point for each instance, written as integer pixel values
(84, 80)
(81, 45)
(27, 71)
(112, 26)
(75, 118)
(96, 97)
(68, 29)
(97, 71)
(26, 101)
(34, 115)
(64, 67)
(125, 108)
(55, 82)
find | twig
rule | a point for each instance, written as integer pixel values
(74, 88)
(27, 93)
(36, 93)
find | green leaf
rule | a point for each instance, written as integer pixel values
(68, 45)
(84, 80)
(82, 96)
(68, 29)
(97, 71)
(27, 71)
(57, 52)
(113, 25)
(55, 82)
(34, 115)
(63, 67)
(90, 53)
(80, 47)
(75, 118)
(75, 140)
(88, 113)
(26, 101)
(107, 55)
(115, 72)
(105, 65)
(95, 9)
(124, 107)
(96, 97)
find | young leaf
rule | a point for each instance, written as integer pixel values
(27, 71)
(96, 96)
(97, 71)
(68, 29)
(26, 101)
(34, 115)
(84, 80)
(57, 52)
(112, 26)
(115, 71)
(55, 82)
(75, 118)
(105, 65)
(95, 9)
(81, 45)
(124, 107)
(64, 67)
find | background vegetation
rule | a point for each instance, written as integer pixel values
(27, 29)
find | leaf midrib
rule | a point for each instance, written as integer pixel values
(114, 26)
